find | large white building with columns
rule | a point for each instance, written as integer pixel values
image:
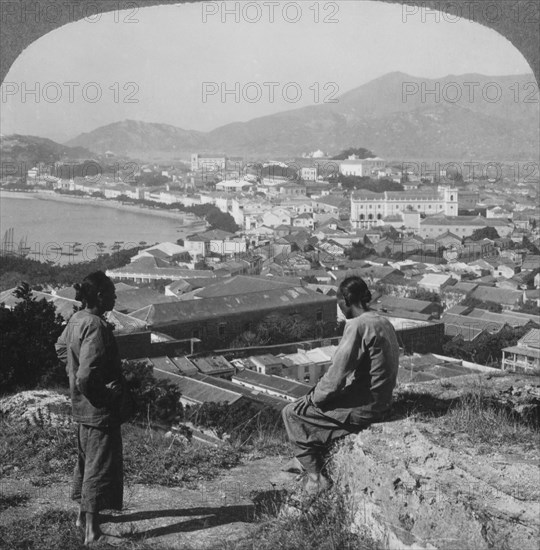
(368, 208)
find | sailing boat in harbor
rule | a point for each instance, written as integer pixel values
(8, 248)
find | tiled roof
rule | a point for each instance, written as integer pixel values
(124, 324)
(512, 318)
(276, 383)
(266, 359)
(532, 339)
(454, 220)
(406, 304)
(212, 364)
(253, 395)
(498, 295)
(462, 286)
(134, 299)
(165, 364)
(468, 328)
(199, 391)
(434, 279)
(184, 365)
(150, 266)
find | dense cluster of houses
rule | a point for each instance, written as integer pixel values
(297, 240)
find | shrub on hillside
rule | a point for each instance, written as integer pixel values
(28, 333)
(155, 400)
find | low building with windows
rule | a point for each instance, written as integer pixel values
(215, 241)
(462, 226)
(525, 355)
(219, 314)
(267, 364)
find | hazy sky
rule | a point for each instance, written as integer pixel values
(160, 57)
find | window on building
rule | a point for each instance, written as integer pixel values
(221, 329)
(379, 216)
(370, 217)
(195, 333)
(362, 216)
(319, 315)
(429, 206)
(451, 197)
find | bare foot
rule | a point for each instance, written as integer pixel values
(92, 532)
(315, 484)
(81, 520)
(105, 540)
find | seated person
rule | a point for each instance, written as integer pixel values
(355, 392)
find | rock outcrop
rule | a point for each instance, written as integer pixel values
(37, 408)
(413, 484)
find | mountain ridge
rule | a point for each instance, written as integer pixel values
(393, 115)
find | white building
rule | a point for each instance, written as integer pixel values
(232, 186)
(309, 173)
(361, 168)
(246, 212)
(367, 207)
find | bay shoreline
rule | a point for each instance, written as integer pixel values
(93, 201)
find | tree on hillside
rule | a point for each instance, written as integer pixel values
(27, 337)
(13, 269)
(360, 152)
(485, 233)
(156, 400)
(221, 220)
(486, 349)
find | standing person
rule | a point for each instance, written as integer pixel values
(355, 391)
(88, 349)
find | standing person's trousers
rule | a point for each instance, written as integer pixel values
(98, 481)
(312, 433)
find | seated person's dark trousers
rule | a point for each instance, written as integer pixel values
(313, 432)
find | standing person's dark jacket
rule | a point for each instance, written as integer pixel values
(93, 366)
(359, 384)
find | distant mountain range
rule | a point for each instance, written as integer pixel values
(394, 116)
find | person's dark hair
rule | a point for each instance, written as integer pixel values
(87, 291)
(355, 291)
